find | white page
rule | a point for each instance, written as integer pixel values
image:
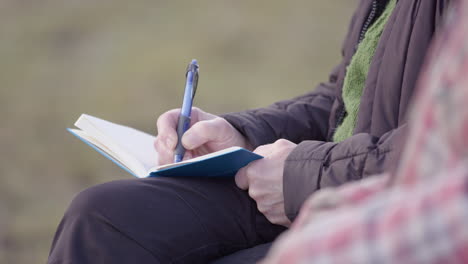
(134, 142)
(99, 145)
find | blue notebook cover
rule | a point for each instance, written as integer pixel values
(223, 165)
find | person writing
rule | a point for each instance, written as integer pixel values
(344, 130)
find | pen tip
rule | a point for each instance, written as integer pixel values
(194, 61)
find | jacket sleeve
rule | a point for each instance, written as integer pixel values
(301, 118)
(313, 165)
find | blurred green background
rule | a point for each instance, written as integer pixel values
(124, 61)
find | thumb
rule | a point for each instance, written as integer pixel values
(241, 179)
(202, 132)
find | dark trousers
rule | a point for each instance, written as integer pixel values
(159, 220)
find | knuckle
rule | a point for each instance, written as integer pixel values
(161, 140)
(157, 144)
(161, 143)
(263, 149)
(165, 117)
(159, 122)
(261, 208)
(220, 125)
(250, 173)
(218, 122)
(257, 194)
(282, 142)
(253, 193)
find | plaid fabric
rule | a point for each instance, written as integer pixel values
(420, 214)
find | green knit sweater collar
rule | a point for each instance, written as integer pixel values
(356, 73)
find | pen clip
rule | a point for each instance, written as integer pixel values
(194, 69)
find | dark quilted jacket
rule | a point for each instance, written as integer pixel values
(311, 119)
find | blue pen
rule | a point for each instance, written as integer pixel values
(186, 111)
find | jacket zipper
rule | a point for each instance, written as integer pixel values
(365, 27)
(370, 19)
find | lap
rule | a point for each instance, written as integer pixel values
(180, 219)
(245, 256)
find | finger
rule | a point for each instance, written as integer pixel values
(264, 150)
(203, 132)
(165, 155)
(166, 126)
(241, 179)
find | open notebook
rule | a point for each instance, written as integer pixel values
(133, 151)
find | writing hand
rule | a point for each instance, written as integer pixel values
(207, 133)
